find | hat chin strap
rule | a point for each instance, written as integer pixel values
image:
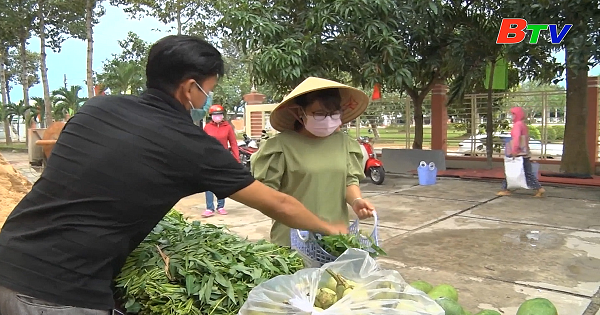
(295, 114)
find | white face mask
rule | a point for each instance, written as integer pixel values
(217, 118)
(324, 126)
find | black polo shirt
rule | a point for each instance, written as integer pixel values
(120, 164)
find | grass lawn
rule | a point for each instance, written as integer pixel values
(20, 146)
(398, 134)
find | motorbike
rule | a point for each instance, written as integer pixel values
(373, 167)
(249, 146)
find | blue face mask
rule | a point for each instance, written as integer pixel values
(198, 114)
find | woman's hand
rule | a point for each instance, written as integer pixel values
(363, 208)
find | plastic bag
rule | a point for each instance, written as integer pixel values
(376, 291)
(515, 173)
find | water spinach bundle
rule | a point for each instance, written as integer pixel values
(191, 268)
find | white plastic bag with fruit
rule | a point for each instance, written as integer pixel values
(353, 284)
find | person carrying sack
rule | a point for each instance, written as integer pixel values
(519, 147)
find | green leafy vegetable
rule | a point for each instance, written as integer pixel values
(189, 268)
(338, 244)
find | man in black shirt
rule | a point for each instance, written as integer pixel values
(120, 164)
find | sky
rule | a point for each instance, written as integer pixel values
(113, 26)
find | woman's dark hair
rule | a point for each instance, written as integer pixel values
(330, 100)
(176, 58)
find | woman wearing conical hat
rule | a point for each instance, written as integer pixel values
(311, 159)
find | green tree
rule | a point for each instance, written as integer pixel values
(93, 11)
(289, 41)
(56, 20)
(185, 14)
(20, 111)
(236, 82)
(126, 71)
(14, 69)
(581, 52)
(6, 116)
(68, 99)
(8, 39)
(404, 46)
(40, 109)
(474, 49)
(22, 15)
(124, 77)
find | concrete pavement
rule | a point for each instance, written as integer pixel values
(497, 251)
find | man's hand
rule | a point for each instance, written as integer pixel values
(363, 208)
(337, 228)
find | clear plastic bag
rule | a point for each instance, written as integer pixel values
(375, 291)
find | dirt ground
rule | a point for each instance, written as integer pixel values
(13, 186)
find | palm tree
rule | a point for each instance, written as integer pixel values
(32, 116)
(127, 76)
(68, 100)
(19, 110)
(59, 113)
(40, 109)
(6, 116)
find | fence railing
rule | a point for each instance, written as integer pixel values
(391, 123)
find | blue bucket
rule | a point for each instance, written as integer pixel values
(427, 173)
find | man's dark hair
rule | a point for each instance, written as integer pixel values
(176, 58)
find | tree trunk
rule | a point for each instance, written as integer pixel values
(575, 159)
(89, 14)
(375, 130)
(27, 125)
(489, 127)
(24, 76)
(42, 35)
(7, 90)
(179, 26)
(418, 117)
(4, 91)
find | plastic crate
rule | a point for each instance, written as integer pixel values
(314, 255)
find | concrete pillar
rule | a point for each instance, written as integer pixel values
(593, 92)
(439, 117)
(256, 118)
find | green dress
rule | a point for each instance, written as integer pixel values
(316, 171)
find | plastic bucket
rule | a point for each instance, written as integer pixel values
(427, 173)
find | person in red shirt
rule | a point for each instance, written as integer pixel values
(221, 130)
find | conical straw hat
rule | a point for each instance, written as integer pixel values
(354, 102)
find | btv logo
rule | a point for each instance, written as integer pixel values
(518, 32)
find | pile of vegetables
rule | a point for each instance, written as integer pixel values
(193, 268)
(338, 244)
